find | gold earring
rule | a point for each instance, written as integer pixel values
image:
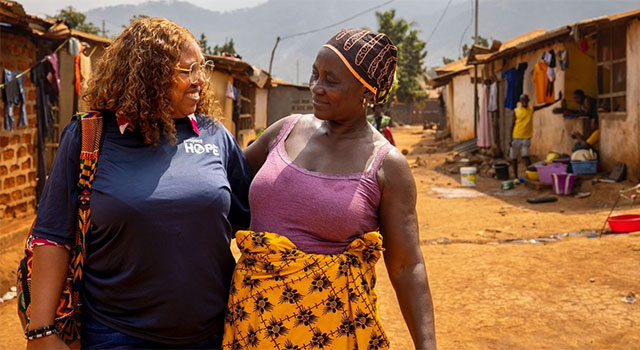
(364, 102)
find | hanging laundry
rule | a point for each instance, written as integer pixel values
(85, 70)
(54, 76)
(584, 46)
(78, 75)
(13, 94)
(485, 130)
(45, 98)
(493, 97)
(230, 94)
(563, 58)
(74, 47)
(549, 58)
(511, 75)
(522, 67)
(552, 59)
(544, 88)
(551, 74)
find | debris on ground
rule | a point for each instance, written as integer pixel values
(582, 194)
(12, 293)
(629, 299)
(442, 192)
(542, 199)
(419, 162)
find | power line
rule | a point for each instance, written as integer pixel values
(273, 51)
(438, 23)
(465, 30)
(338, 23)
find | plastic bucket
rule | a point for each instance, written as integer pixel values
(502, 170)
(468, 176)
(563, 183)
(545, 171)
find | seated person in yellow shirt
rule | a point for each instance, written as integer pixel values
(522, 131)
(592, 142)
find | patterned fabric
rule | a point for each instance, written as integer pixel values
(36, 241)
(283, 298)
(371, 57)
(67, 316)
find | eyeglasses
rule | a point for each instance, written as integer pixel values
(197, 71)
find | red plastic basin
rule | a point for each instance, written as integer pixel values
(625, 223)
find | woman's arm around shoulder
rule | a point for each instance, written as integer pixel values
(402, 256)
(257, 152)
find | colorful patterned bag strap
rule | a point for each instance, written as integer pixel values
(91, 126)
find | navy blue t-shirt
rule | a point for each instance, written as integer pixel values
(158, 263)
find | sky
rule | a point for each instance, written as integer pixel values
(50, 7)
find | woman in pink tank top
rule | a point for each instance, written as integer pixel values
(330, 194)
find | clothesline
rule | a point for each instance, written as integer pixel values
(39, 62)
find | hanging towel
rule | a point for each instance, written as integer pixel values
(493, 97)
(485, 132)
(229, 93)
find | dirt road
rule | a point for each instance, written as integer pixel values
(489, 295)
(563, 295)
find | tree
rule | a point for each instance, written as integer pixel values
(447, 60)
(411, 54)
(481, 41)
(227, 47)
(204, 46)
(76, 20)
(133, 18)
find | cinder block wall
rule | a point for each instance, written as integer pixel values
(17, 147)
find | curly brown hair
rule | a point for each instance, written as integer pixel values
(135, 76)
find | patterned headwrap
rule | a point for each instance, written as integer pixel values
(371, 57)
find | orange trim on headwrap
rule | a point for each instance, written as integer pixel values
(355, 74)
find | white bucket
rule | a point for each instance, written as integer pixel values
(468, 176)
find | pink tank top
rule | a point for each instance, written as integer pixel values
(320, 213)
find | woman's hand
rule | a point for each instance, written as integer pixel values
(48, 342)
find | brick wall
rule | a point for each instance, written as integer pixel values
(17, 147)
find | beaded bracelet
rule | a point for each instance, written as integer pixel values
(41, 332)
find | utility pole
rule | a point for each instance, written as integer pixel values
(297, 71)
(104, 32)
(475, 78)
(273, 52)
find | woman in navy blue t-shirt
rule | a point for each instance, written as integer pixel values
(171, 183)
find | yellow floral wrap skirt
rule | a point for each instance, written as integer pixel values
(283, 298)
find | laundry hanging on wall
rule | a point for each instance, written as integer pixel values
(13, 95)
